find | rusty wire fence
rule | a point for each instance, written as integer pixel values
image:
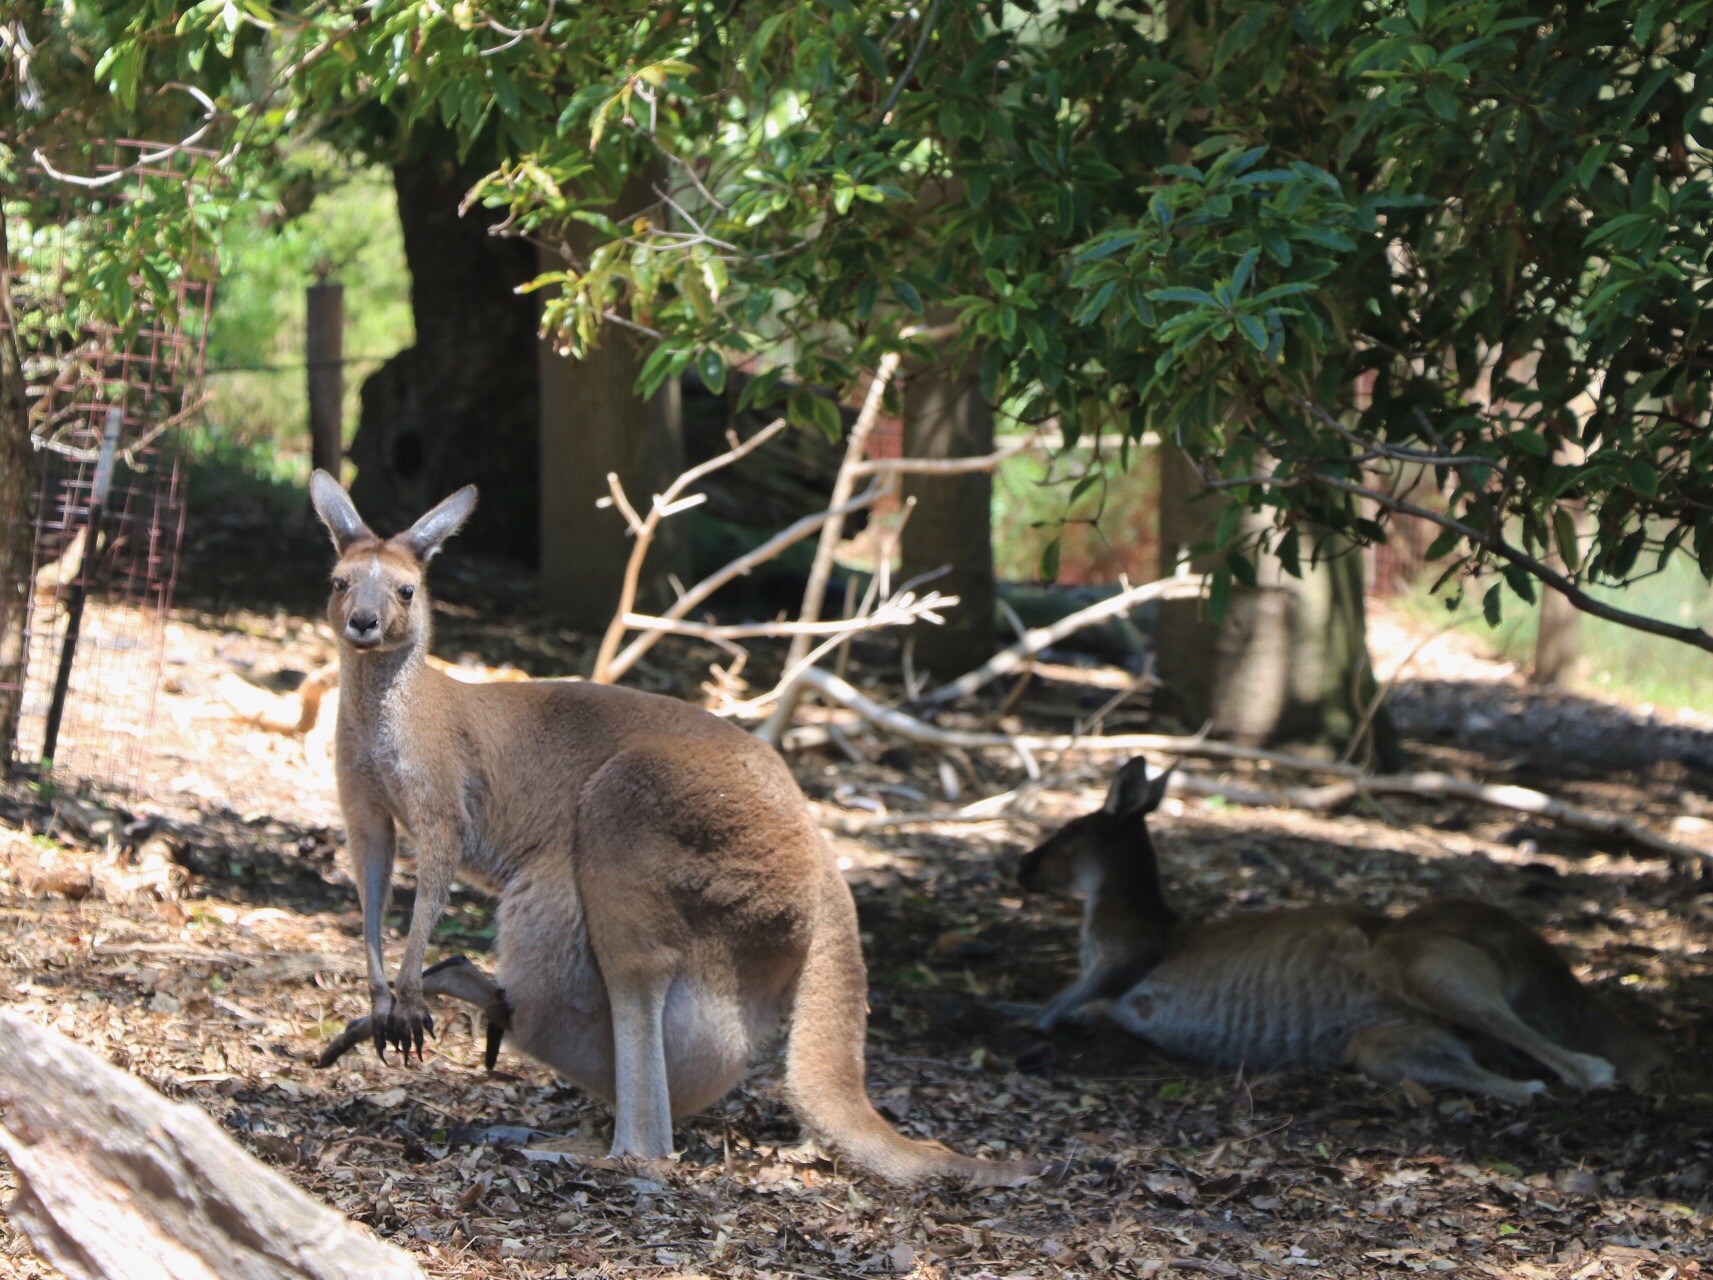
(103, 565)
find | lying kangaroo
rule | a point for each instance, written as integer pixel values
(1321, 986)
(665, 895)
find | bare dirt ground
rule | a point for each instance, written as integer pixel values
(218, 978)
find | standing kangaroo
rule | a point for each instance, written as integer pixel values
(1322, 986)
(665, 895)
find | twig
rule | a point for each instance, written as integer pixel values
(910, 66)
(664, 504)
(210, 112)
(900, 611)
(942, 466)
(786, 537)
(880, 583)
(1018, 655)
(856, 445)
(894, 612)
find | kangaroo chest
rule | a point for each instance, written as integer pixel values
(431, 796)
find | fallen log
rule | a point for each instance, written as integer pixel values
(116, 1182)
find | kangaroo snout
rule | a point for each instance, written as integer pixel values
(363, 628)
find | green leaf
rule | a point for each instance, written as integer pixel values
(1219, 596)
(1173, 1089)
(1180, 293)
(711, 365)
(1564, 534)
(1443, 100)
(1050, 561)
(1643, 477)
(1491, 604)
(1521, 580)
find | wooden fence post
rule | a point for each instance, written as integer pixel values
(324, 355)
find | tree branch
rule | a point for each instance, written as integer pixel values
(1016, 656)
(644, 530)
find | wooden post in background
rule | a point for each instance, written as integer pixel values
(324, 355)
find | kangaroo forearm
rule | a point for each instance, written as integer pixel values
(436, 864)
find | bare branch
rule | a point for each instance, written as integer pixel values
(1017, 656)
(942, 466)
(904, 608)
(910, 66)
(210, 113)
(844, 694)
(856, 446)
(786, 537)
(644, 530)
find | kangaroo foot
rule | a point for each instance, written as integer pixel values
(1585, 1071)
(405, 1021)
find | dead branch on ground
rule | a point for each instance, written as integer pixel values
(116, 1182)
(843, 694)
(1513, 799)
(1016, 657)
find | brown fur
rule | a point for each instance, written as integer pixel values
(1322, 986)
(665, 897)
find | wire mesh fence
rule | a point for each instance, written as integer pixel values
(103, 564)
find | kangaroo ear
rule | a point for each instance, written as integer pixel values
(426, 536)
(334, 507)
(1138, 789)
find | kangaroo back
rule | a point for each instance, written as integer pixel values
(824, 1060)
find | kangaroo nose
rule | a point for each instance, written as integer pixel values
(363, 625)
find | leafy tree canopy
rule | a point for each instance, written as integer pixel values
(1318, 244)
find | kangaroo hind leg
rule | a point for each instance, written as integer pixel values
(642, 1111)
(1394, 1052)
(1463, 983)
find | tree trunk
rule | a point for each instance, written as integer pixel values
(116, 1182)
(1558, 643)
(593, 423)
(18, 479)
(1290, 663)
(458, 407)
(945, 416)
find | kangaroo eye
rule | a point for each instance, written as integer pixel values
(406, 592)
(340, 584)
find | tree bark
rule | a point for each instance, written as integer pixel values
(1558, 642)
(459, 406)
(18, 481)
(945, 416)
(1290, 662)
(116, 1182)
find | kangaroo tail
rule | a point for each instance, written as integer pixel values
(824, 1061)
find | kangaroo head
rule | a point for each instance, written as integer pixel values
(377, 600)
(1113, 837)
